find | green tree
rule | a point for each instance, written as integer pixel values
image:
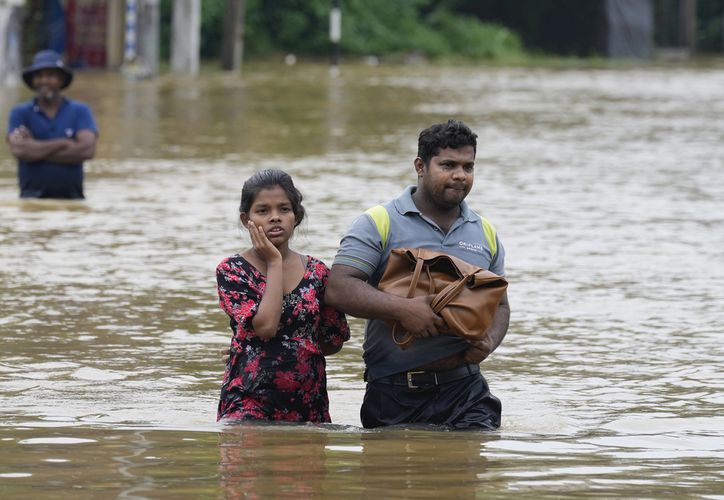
(369, 27)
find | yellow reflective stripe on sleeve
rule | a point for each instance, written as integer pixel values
(489, 231)
(382, 220)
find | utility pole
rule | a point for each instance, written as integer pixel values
(186, 36)
(149, 35)
(130, 39)
(687, 24)
(10, 37)
(335, 33)
(232, 50)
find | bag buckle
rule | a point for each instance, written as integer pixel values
(411, 385)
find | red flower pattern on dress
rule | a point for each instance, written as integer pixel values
(253, 365)
(286, 381)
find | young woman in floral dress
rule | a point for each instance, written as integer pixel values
(274, 298)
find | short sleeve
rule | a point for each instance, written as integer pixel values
(361, 246)
(15, 119)
(84, 119)
(497, 265)
(239, 296)
(333, 327)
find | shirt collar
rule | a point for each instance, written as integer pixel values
(36, 108)
(405, 205)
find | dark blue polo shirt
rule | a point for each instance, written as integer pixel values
(44, 179)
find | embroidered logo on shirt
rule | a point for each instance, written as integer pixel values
(471, 247)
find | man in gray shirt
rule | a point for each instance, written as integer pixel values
(436, 380)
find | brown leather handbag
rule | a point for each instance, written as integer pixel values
(465, 295)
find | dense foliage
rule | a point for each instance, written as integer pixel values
(480, 29)
(710, 26)
(369, 27)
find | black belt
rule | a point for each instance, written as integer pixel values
(418, 379)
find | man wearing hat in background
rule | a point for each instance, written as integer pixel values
(51, 135)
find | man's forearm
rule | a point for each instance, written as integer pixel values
(499, 327)
(73, 153)
(33, 150)
(358, 298)
(353, 295)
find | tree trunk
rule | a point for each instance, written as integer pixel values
(232, 50)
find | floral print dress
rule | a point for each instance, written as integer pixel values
(284, 377)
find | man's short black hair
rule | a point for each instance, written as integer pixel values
(453, 134)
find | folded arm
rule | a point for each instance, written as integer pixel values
(77, 151)
(25, 147)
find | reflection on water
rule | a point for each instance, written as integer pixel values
(286, 462)
(605, 185)
(292, 462)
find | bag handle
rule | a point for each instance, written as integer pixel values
(407, 336)
(415, 274)
(438, 304)
(450, 292)
(406, 339)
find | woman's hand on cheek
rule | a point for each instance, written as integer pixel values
(263, 247)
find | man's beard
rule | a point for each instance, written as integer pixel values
(48, 94)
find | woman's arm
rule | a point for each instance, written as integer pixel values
(266, 321)
(328, 349)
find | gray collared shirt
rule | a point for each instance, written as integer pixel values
(362, 248)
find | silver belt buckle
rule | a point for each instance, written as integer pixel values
(409, 379)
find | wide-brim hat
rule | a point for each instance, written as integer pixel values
(47, 59)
